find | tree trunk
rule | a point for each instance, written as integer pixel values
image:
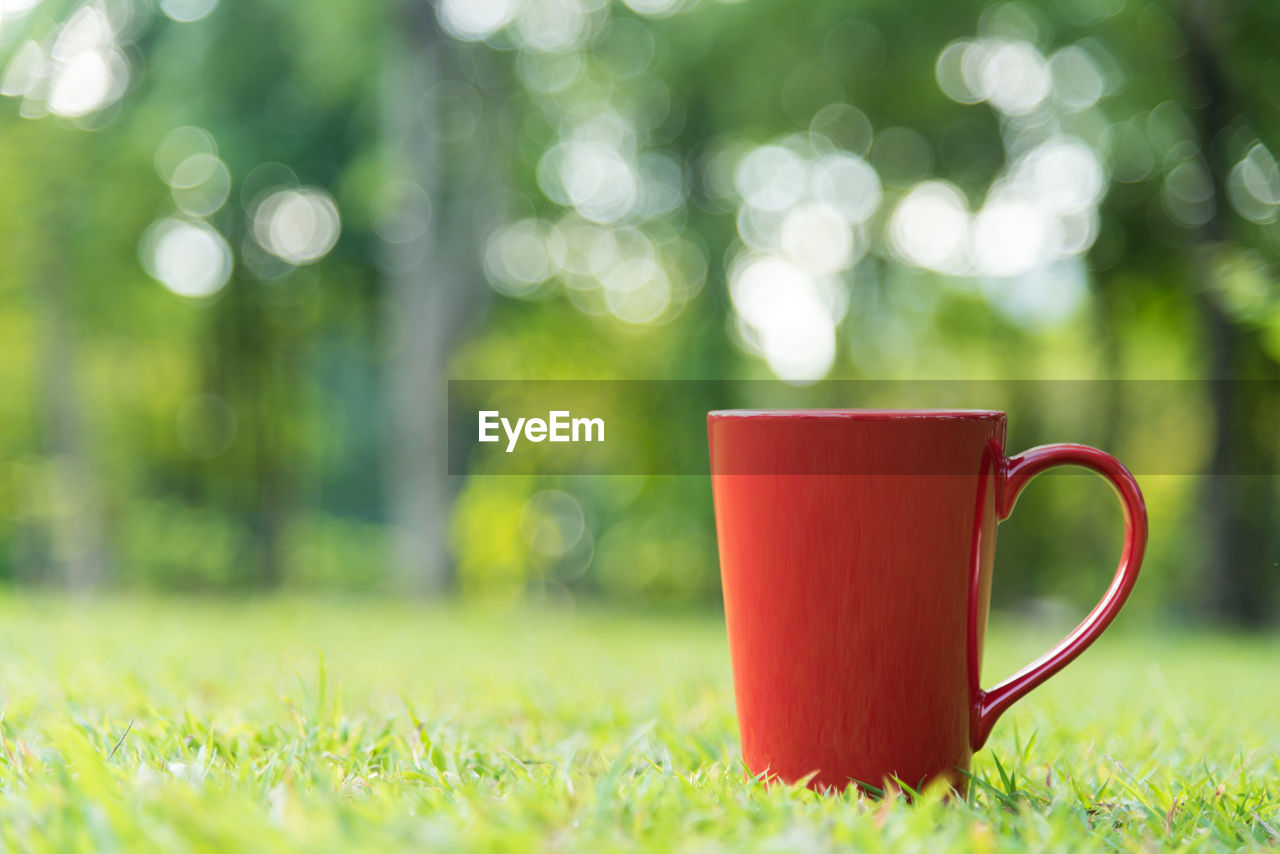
(433, 285)
(1239, 495)
(74, 541)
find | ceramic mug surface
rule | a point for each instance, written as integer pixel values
(855, 553)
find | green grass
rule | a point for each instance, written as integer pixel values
(312, 726)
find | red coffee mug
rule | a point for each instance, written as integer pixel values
(855, 554)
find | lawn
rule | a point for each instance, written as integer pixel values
(324, 726)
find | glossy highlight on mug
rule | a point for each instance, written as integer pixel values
(856, 549)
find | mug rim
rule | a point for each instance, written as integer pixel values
(857, 414)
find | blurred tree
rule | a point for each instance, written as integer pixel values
(69, 537)
(264, 337)
(439, 128)
(1239, 504)
(758, 81)
(353, 202)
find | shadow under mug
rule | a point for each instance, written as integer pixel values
(855, 554)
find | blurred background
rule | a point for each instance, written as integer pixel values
(244, 244)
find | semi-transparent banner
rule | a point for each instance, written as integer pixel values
(635, 427)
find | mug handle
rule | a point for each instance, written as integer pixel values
(1013, 475)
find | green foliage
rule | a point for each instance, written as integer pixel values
(299, 725)
(242, 439)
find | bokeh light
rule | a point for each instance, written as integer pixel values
(955, 80)
(771, 178)
(188, 257)
(621, 271)
(662, 189)
(549, 73)
(787, 315)
(637, 292)
(930, 228)
(200, 184)
(1013, 76)
(841, 127)
(16, 8)
(1040, 213)
(1129, 153)
(816, 238)
(803, 206)
(654, 8)
(849, 185)
(178, 145)
(548, 26)
(613, 252)
(1253, 185)
(25, 74)
(400, 211)
(516, 258)
(1078, 83)
(1013, 234)
(86, 69)
(552, 522)
(604, 164)
(1042, 209)
(84, 82)
(1187, 193)
(472, 20)
(299, 226)
(1063, 173)
(593, 169)
(186, 11)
